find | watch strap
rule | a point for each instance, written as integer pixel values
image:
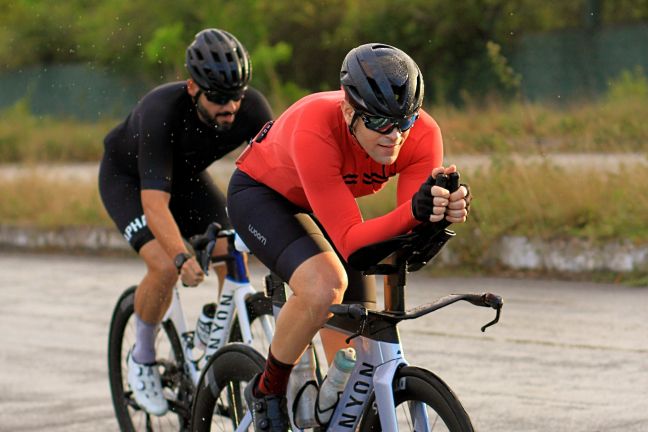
(180, 259)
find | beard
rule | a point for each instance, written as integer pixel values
(213, 122)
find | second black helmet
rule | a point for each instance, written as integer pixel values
(218, 62)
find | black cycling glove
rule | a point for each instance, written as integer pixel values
(422, 201)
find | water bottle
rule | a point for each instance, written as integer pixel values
(302, 391)
(334, 383)
(203, 326)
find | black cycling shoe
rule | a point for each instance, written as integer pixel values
(269, 413)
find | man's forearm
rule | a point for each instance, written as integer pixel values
(161, 222)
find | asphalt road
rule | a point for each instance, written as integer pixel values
(565, 357)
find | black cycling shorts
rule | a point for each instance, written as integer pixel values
(282, 236)
(194, 204)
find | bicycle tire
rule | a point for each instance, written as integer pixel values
(413, 384)
(257, 304)
(176, 385)
(218, 403)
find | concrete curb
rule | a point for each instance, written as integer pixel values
(572, 255)
(90, 239)
(513, 252)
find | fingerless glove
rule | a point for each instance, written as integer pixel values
(422, 201)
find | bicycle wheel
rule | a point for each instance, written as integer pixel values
(177, 387)
(219, 404)
(259, 307)
(423, 403)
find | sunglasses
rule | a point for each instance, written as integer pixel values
(222, 98)
(384, 125)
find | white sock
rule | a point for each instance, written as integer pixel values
(144, 351)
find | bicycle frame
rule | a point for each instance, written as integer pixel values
(377, 360)
(376, 366)
(231, 302)
(379, 352)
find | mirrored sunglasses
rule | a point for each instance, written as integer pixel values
(384, 125)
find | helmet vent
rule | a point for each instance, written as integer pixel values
(376, 90)
(398, 92)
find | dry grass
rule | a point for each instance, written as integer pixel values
(532, 200)
(28, 138)
(606, 126)
(545, 201)
(609, 125)
(36, 201)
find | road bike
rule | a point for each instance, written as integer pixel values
(384, 392)
(241, 314)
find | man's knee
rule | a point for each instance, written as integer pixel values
(325, 288)
(158, 264)
(164, 272)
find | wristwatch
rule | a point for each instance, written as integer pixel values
(180, 259)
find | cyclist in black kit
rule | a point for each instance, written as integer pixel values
(154, 185)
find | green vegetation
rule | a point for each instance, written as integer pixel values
(461, 46)
(606, 126)
(37, 201)
(534, 200)
(28, 138)
(615, 123)
(544, 201)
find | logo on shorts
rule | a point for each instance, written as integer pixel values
(257, 234)
(136, 225)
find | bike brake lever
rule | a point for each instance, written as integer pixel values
(353, 311)
(358, 333)
(206, 256)
(497, 316)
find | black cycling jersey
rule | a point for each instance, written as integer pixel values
(163, 145)
(163, 138)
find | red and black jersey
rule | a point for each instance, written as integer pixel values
(310, 157)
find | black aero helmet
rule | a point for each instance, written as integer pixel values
(382, 80)
(218, 62)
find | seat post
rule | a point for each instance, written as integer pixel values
(395, 288)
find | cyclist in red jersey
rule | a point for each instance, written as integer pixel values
(292, 200)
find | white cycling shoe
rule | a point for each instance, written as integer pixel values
(144, 380)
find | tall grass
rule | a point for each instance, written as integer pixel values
(544, 201)
(606, 126)
(614, 123)
(25, 137)
(537, 200)
(37, 201)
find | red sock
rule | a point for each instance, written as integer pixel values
(274, 380)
